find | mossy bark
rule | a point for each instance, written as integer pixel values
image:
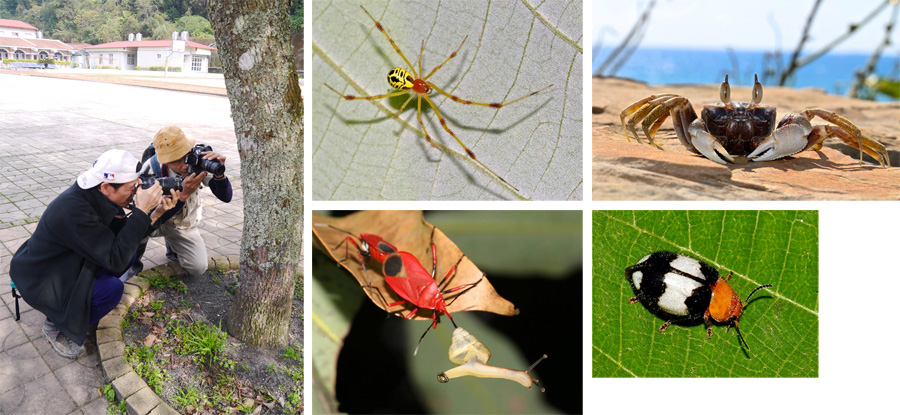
(253, 40)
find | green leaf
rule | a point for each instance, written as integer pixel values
(511, 49)
(760, 247)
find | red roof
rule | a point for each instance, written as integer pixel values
(16, 24)
(146, 43)
(15, 42)
(50, 44)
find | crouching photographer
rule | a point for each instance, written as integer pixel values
(179, 163)
(69, 268)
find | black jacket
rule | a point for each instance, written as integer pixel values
(55, 268)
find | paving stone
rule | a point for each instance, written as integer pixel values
(115, 367)
(221, 263)
(95, 407)
(109, 335)
(142, 402)
(22, 364)
(163, 409)
(127, 384)
(141, 282)
(111, 349)
(132, 290)
(80, 382)
(11, 334)
(37, 397)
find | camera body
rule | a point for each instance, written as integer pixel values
(198, 164)
(167, 183)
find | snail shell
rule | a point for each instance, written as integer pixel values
(465, 347)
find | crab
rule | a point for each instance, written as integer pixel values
(744, 128)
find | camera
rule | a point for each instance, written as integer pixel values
(198, 164)
(167, 183)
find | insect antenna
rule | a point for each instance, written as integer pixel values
(754, 292)
(741, 337)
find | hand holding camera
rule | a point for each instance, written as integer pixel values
(145, 199)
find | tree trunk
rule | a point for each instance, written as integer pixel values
(253, 39)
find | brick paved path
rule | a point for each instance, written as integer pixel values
(51, 130)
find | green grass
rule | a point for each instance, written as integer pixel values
(170, 283)
(190, 396)
(143, 360)
(112, 407)
(204, 341)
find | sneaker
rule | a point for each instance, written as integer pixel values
(60, 343)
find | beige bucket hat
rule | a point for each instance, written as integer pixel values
(171, 144)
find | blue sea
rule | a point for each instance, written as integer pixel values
(832, 72)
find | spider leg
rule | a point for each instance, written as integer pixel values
(381, 28)
(444, 124)
(402, 107)
(350, 97)
(452, 55)
(485, 104)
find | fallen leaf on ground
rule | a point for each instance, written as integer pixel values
(409, 232)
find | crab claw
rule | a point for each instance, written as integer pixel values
(784, 141)
(707, 145)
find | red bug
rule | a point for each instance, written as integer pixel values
(406, 276)
(409, 279)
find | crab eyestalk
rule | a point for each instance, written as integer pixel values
(757, 92)
(725, 93)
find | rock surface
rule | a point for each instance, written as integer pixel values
(624, 170)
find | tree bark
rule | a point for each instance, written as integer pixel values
(253, 39)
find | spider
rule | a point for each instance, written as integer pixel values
(412, 83)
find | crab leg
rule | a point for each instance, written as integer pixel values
(640, 109)
(848, 133)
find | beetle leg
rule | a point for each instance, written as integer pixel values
(665, 325)
(791, 137)
(848, 133)
(633, 300)
(707, 145)
(708, 324)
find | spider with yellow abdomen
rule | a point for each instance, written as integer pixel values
(411, 82)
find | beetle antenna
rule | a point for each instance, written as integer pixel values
(341, 230)
(754, 292)
(741, 337)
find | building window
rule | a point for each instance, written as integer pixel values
(58, 56)
(158, 56)
(196, 63)
(44, 55)
(132, 59)
(3, 54)
(19, 54)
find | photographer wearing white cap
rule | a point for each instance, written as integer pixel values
(180, 157)
(68, 270)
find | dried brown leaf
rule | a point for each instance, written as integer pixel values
(408, 231)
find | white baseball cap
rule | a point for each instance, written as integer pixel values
(113, 166)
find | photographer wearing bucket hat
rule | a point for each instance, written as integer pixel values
(68, 269)
(184, 243)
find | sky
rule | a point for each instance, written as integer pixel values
(742, 25)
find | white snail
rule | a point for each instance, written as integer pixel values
(472, 356)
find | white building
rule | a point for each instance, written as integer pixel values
(20, 40)
(143, 54)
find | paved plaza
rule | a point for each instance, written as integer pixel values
(51, 130)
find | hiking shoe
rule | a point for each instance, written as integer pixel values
(49, 331)
(60, 343)
(170, 254)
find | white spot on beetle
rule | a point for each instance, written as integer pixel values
(636, 277)
(643, 259)
(246, 61)
(687, 265)
(678, 289)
